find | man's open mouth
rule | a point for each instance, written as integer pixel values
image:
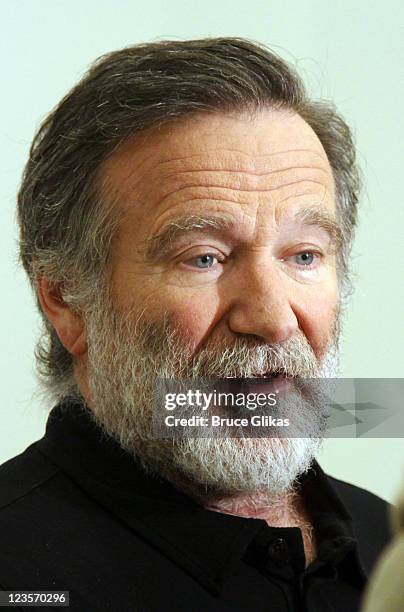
(267, 376)
(270, 380)
(264, 375)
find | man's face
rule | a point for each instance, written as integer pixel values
(268, 274)
(229, 235)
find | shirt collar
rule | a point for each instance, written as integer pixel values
(205, 544)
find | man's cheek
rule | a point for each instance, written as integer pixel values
(322, 325)
(193, 319)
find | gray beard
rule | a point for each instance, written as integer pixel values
(127, 354)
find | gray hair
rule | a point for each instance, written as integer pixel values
(66, 218)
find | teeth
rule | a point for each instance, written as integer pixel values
(267, 375)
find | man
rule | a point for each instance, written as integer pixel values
(186, 211)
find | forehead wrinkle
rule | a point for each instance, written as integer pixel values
(248, 172)
(306, 193)
(242, 170)
(239, 174)
(151, 183)
(238, 180)
(215, 180)
(249, 156)
(126, 165)
(221, 193)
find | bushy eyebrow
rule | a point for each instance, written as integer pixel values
(177, 228)
(184, 225)
(325, 220)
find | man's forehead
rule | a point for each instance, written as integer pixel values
(240, 149)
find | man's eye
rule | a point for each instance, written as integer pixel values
(203, 261)
(306, 258)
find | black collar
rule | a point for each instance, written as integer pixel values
(206, 544)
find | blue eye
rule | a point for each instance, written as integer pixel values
(304, 259)
(205, 261)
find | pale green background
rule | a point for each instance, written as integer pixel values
(347, 51)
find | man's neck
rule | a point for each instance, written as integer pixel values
(281, 510)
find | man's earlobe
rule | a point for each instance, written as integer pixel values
(69, 325)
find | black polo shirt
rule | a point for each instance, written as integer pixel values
(78, 514)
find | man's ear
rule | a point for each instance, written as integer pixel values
(68, 324)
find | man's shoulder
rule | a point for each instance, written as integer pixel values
(23, 475)
(370, 519)
(359, 500)
(27, 508)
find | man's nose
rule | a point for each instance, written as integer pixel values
(262, 306)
